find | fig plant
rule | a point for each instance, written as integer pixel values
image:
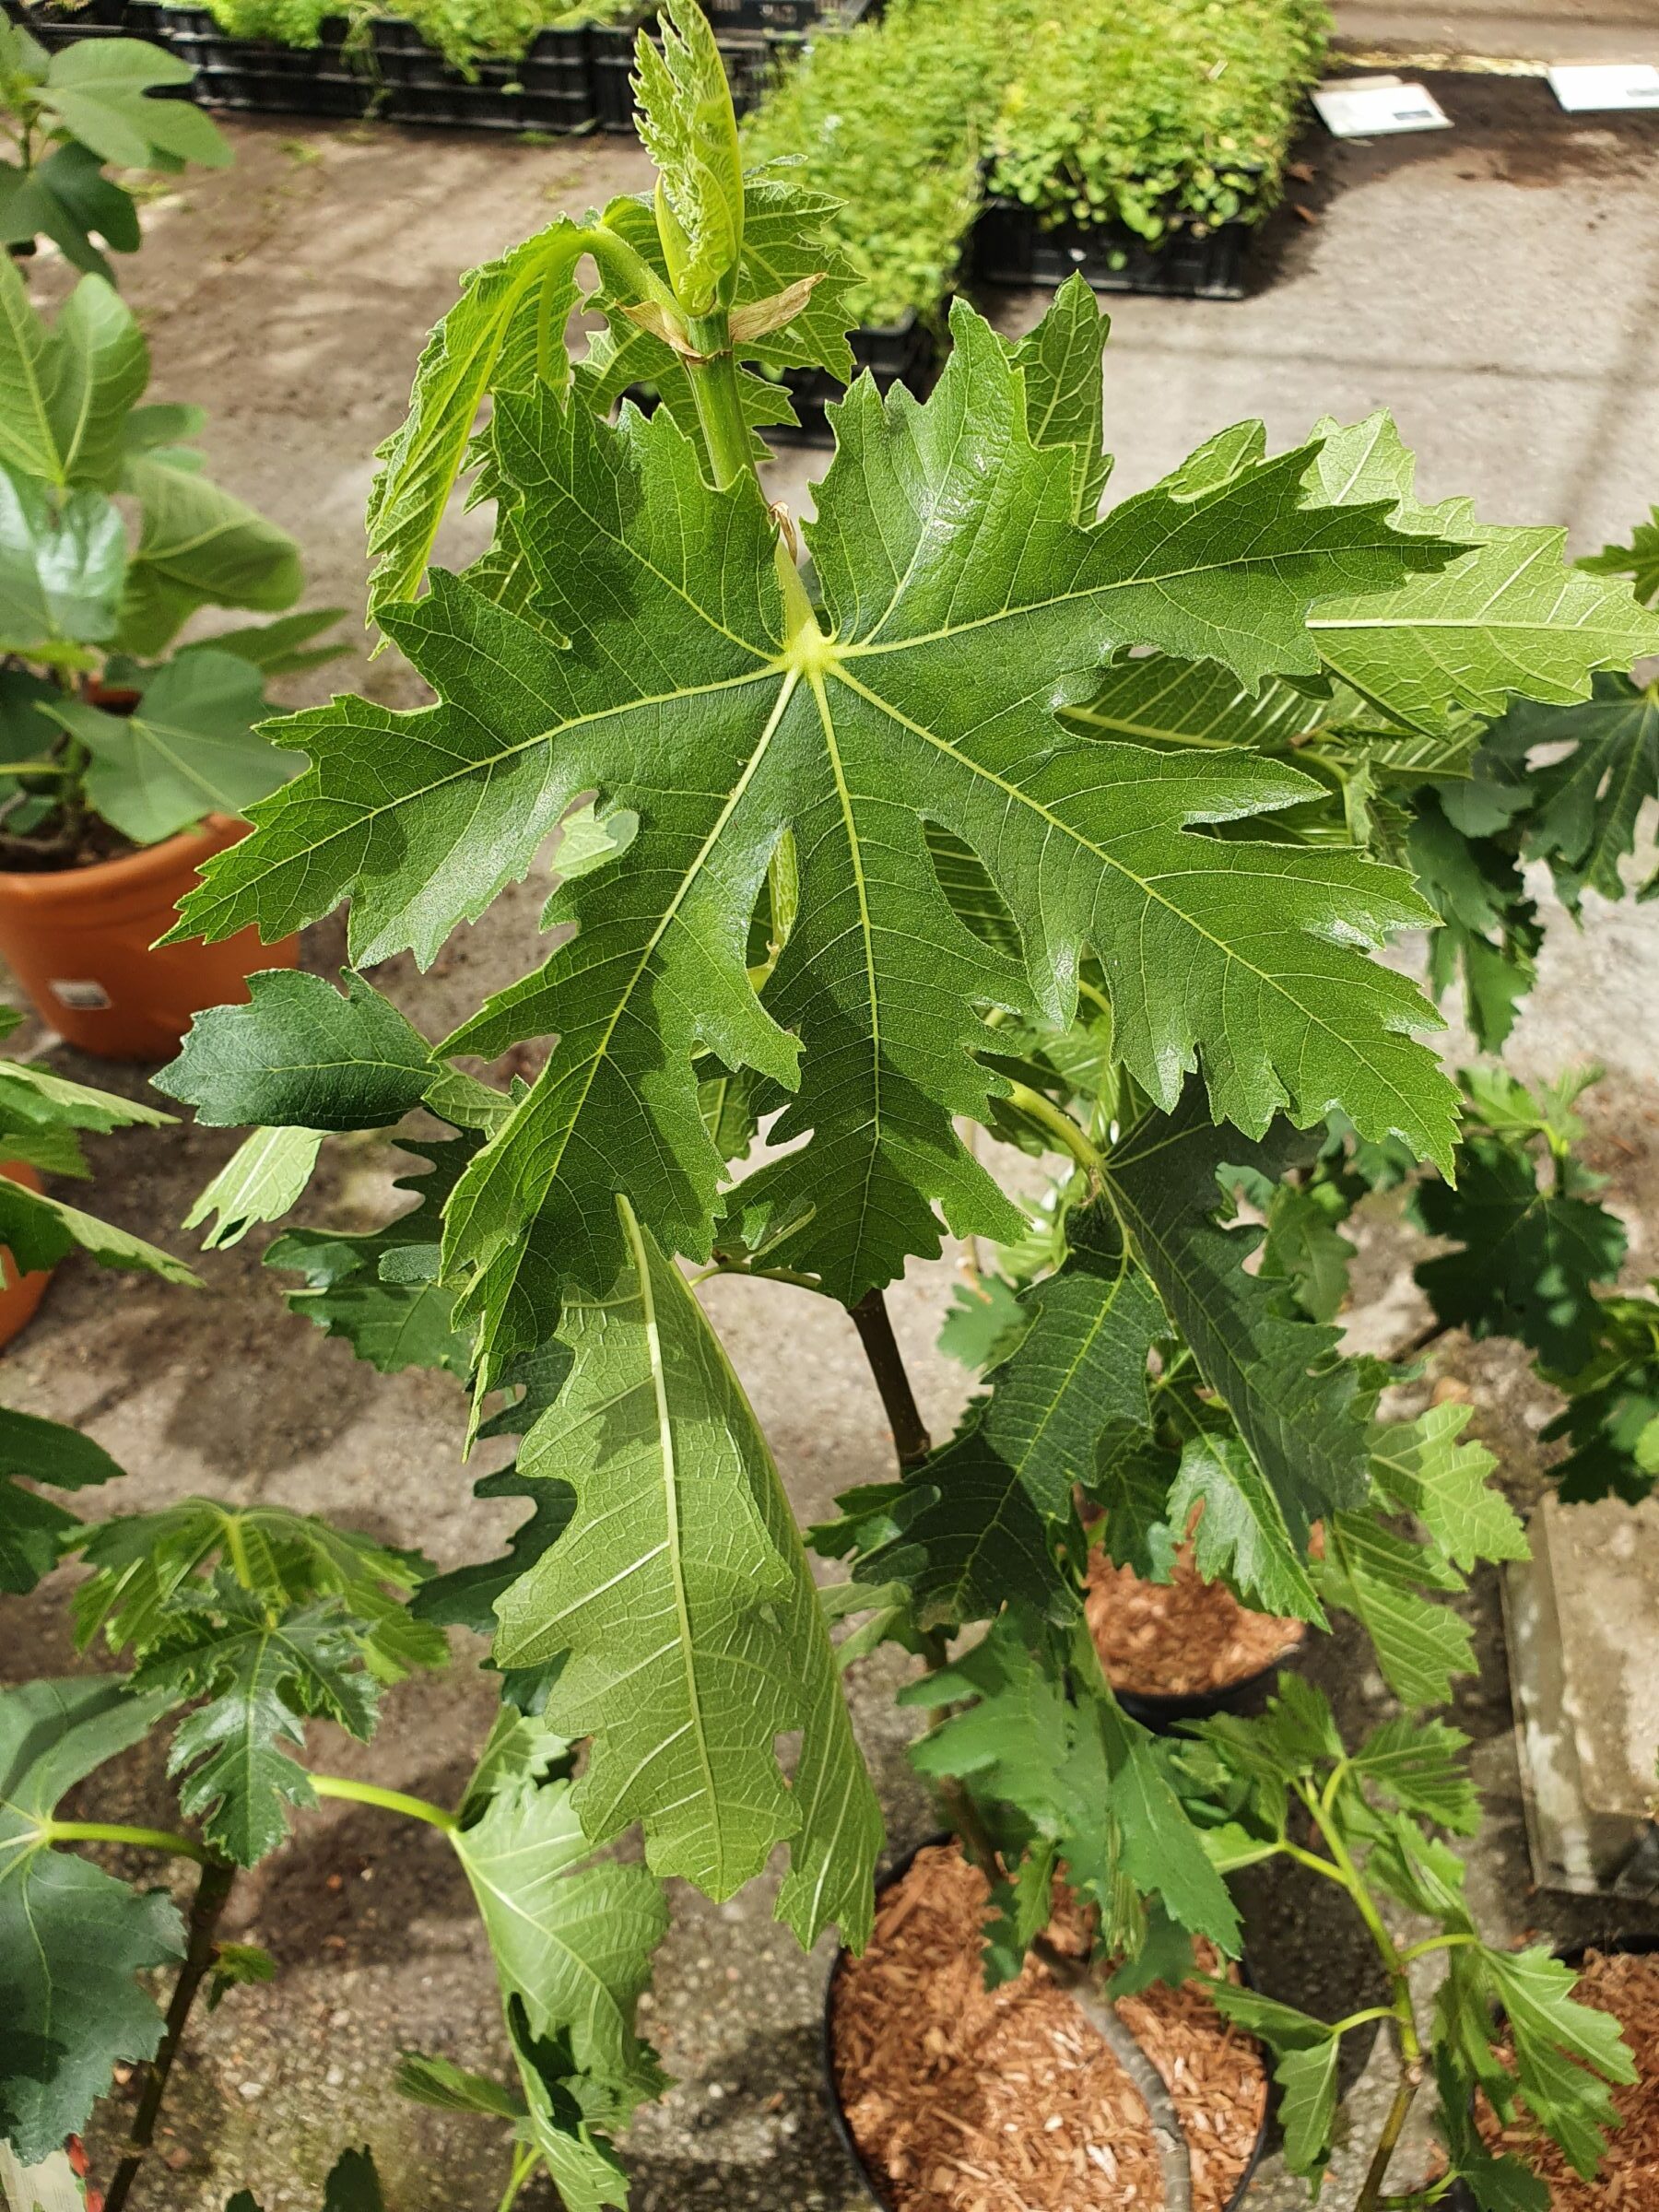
(857, 850)
(68, 116)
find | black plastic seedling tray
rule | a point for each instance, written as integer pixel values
(550, 90)
(258, 77)
(1011, 246)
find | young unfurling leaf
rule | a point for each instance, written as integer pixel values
(690, 131)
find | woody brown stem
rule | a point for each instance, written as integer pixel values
(213, 1893)
(910, 1440)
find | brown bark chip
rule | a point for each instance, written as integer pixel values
(1181, 1638)
(1007, 2101)
(1626, 1987)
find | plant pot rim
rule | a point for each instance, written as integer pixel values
(66, 887)
(838, 2112)
(1169, 1706)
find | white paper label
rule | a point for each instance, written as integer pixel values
(1581, 85)
(1375, 108)
(80, 995)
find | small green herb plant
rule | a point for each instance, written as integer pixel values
(1157, 110)
(889, 122)
(109, 727)
(67, 117)
(856, 851)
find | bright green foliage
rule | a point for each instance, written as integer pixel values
(995, 1503)
(1156, 112)
(40, 1231)
(32, 1529)
(42, 1112)
(72, 1938)
(687, 128)
(782, 265)
(1307, 2079)
(1509, 618)
(681, 1593)
(76, 109)
(78, 596)
(1560, 2047)
(188, 748)
(1586, 803)
(505, 335)
(1371, 1817)
(1241, 1535)
(1369, 1568)
(990, 1516)
(270, 1618)
(1073, 1771)
(785, 747)
(1639, 561)
(261, 1182)
(572, 1940)
(889, 122)
(917, 834)
(143, 1563)
(1530, 1256)
(61, 567)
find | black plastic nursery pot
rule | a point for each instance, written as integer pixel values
(549, 89)
(873, 2184)
(1247, 1696)
(1459, 2197)
(1012, 246)
(260, 77)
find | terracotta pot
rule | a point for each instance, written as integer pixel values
(19, 1294)
(82, 943)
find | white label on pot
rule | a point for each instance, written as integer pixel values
(1583, 85)
(1372, 109)
(69, 993)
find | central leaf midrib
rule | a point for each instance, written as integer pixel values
(670, 1461)
(867, 935)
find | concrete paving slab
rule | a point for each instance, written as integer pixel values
(1499, 288)
(1583, 1615)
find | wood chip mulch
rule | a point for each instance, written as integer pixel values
(1626, 1987)
(1182, 1638)
(1007, 2100)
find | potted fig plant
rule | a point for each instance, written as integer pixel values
(72, 113)
(128, 757)
(845, 865)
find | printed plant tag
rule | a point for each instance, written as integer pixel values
(1378, 107)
